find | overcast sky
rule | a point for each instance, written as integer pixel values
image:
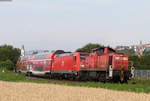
(70, 24)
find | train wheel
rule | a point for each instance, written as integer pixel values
(19, 72)
(77, 77)
(102, 77)
(126, 78)
(50, 76)
(29, 74)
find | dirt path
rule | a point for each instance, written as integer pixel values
(10, 91)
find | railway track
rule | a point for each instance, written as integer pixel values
(52, 80)
(39, 78)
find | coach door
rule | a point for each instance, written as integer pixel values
(69, 63)
(74, 63)
(110, 60)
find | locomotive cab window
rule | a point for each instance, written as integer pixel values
(100, 51)
(82, 57)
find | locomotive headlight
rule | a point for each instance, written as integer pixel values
(82, 66)
(125, 58)
(117, 58)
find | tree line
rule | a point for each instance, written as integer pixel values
(8, 56)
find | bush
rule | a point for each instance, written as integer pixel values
(140, 62)
(8, 52)
(8, 64)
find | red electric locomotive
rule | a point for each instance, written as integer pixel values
(67, 65)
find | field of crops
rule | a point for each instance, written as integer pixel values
(50, 92)
(16, 87)
(11, 91)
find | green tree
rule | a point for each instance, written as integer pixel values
(8, 64)
(140, 62)
(8, 52)
(88, 47)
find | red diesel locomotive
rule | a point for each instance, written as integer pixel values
(103, 64)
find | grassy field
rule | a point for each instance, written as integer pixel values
(135, 85)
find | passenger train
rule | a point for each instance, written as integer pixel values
(102, 64)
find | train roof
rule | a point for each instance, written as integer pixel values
(24, 58)
(71, 54)
(95, 49)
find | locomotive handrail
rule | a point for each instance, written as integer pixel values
(132, 69)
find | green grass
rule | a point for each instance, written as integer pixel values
(16, 77)
(135, 85)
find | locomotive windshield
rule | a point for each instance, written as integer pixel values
(103, 50)
(83, 56)
(100, 51)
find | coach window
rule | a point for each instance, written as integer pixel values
(47, 63)
(39, 68)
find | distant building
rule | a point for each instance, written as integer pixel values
(122, 47)
(139, 49)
